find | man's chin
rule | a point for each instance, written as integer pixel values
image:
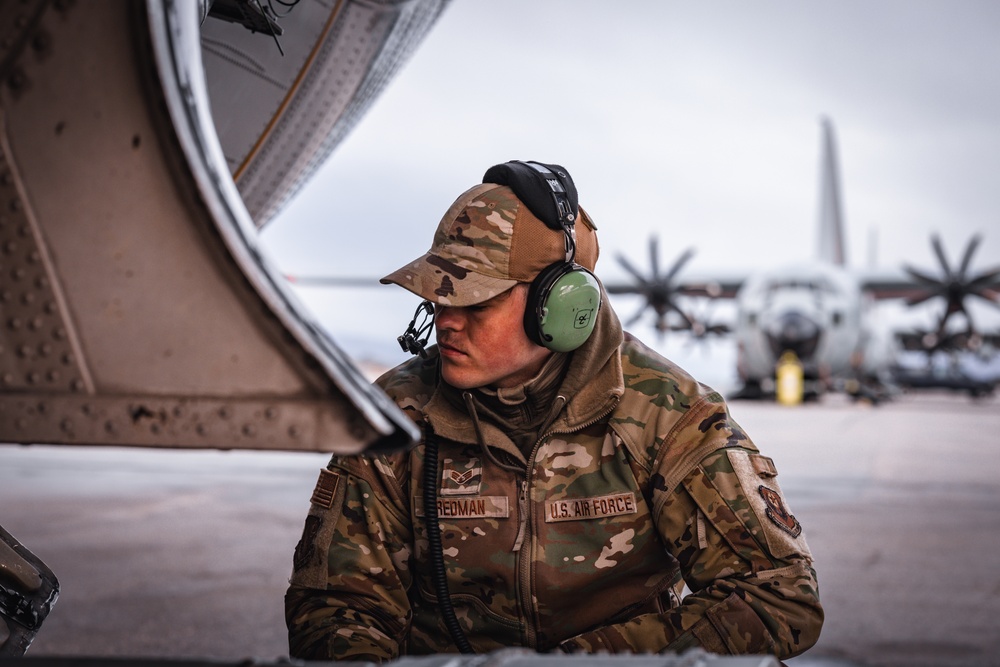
(457, 378)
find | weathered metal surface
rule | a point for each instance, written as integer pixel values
(131, 279)
(280, 111)
(28, 589)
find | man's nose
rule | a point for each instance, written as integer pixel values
(449, 317)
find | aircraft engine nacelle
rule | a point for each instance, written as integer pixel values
(136, 306)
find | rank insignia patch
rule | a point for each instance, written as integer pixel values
(326, 489)
(777, 513)
(463, 477)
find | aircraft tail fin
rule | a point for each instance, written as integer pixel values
(831, 223)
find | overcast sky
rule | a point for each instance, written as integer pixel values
(698, 122)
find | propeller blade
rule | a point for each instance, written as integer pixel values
(984, 279)
(654, 257)
(627, 265)
(681, 261)
(939, 251)
(969, 250)
(922, 277)
(635, 318)
(920, 298)
(990, 298)
(673, 306)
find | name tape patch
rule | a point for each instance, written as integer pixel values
(470, 507)
(590, 508)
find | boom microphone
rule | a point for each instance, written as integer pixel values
(411, 340)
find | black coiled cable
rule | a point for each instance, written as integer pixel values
(438, 574)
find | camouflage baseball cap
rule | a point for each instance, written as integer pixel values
(487, 242)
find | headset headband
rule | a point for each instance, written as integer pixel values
(546, 189)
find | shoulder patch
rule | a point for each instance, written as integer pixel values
(758, 478)
(326, 489)
(777, 513)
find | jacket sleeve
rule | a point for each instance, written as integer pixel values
(347, 598)
(720, 512)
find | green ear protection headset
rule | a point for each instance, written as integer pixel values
(563, 300)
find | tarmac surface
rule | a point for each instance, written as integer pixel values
(181, 554)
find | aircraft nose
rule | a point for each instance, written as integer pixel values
(794, 331)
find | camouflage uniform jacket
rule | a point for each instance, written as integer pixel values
(642, 484)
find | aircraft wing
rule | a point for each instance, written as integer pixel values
(721, 288)
(889, 285)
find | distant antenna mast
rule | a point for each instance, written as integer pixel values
(831, 222)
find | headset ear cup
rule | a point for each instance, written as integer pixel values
(562, 307)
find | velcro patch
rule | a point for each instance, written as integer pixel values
(326, 489)
(782, 531)
(461, 477)
(590, 508)
(764, 465)
(470, 507)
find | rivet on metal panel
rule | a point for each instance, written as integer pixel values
(33, 377)
(50, 307)
(41, 42)
(24, 230)
(15, 205)
(293, 431)
(17, 273)
(77, 385)
(24, 351)
(224, 412)
(34, 257)
(60, 126)
(10, 246)
(110, 427)
(20, 423)
(67, 359)
(27, 298)
(52, 376)
(14, 323)
(45, 349)
(43, 408)
(249, 430)
(178, 411)
(66, 425)
(87, 409)
(42, 283)
(36, 323)
(5, 296)
(200, 429)
(17, 80)
(154, 427)
(59, 333)
(270, 413)
(8, 378)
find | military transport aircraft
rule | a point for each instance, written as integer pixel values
(817, 314)
(142, 144)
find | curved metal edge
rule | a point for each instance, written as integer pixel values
(175, 35)
(28, 589)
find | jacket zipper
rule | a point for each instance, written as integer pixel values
(524, 531)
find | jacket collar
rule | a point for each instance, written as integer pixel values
(592, 386)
